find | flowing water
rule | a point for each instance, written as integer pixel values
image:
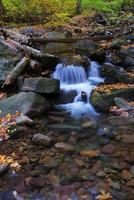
(75, 78)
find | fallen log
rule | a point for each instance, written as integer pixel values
(31, 51)
(19, 68)
(69, 40)
(17, 36)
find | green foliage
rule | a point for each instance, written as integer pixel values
(56, 12)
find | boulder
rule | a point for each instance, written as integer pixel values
(116, 74)
(28, 103)
(86, 45)
(40, 139)
(8, 60)
(103, 99)
(40, 85)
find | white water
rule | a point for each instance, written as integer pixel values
(74, 78)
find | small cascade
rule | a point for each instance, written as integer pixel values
(70, 74)
(74, 78)
(94, 73)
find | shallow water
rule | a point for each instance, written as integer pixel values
(75, 78)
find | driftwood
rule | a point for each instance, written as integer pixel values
(19, 68)
(69, 40)
(17, 36)
(31, 51)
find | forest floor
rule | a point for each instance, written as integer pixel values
(79, 160)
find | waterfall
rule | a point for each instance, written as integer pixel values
(70, 74)
(75, 78)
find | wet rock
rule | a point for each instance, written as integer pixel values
(28, 103)
(101, 174)
(116, 74)
(130, 183)
(108, 149)
(119, 121)
(35, 181)
(63, 127)
(41, 139)
(86, 46)
(116, 44)
(121, 103)
(24, 120)
(45, 86)
(3, 169)
(102, 100)
(64, 147)
(118, 195)
(7, 195)
(89, 124)
(126, 175)
(90, 153)
(107, 131)
(132, 170)
(50, 162)
(127, 139)
(115, 185)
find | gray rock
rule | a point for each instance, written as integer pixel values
(8, 59)
(41, 139)
(28, 103)
(103, 100)
(115, 185)
(24, 120)
(63, 127)
(121, 103)
(41, 85)
(132, 170)
(64, 147)
(101, 174)
(86, 46)
(3, 169)
(118, 195)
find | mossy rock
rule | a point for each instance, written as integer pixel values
(103, 100)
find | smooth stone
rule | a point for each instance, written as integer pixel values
(132, 170)
(108, 149)
(115, 185)
(118, 195)
(28, 103)
(3, 169)
(65, 127)
(64, 147)
(24, 120)
(41, 139)
(101, 174)
(41, 85)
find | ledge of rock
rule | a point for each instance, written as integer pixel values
(103, 97)
(28, 103)
(41, 85)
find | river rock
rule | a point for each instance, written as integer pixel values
(127, 139)
(41, 85)
(86, 46)
(3, 169)
(108, 149)
(102, 100)
(41, 139)
(121, 103)
(116, 74)
(8, 59)
(64, 147)
(28, 103)
(127, 57)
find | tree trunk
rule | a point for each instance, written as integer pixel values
(78, 7)
(2, 10)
